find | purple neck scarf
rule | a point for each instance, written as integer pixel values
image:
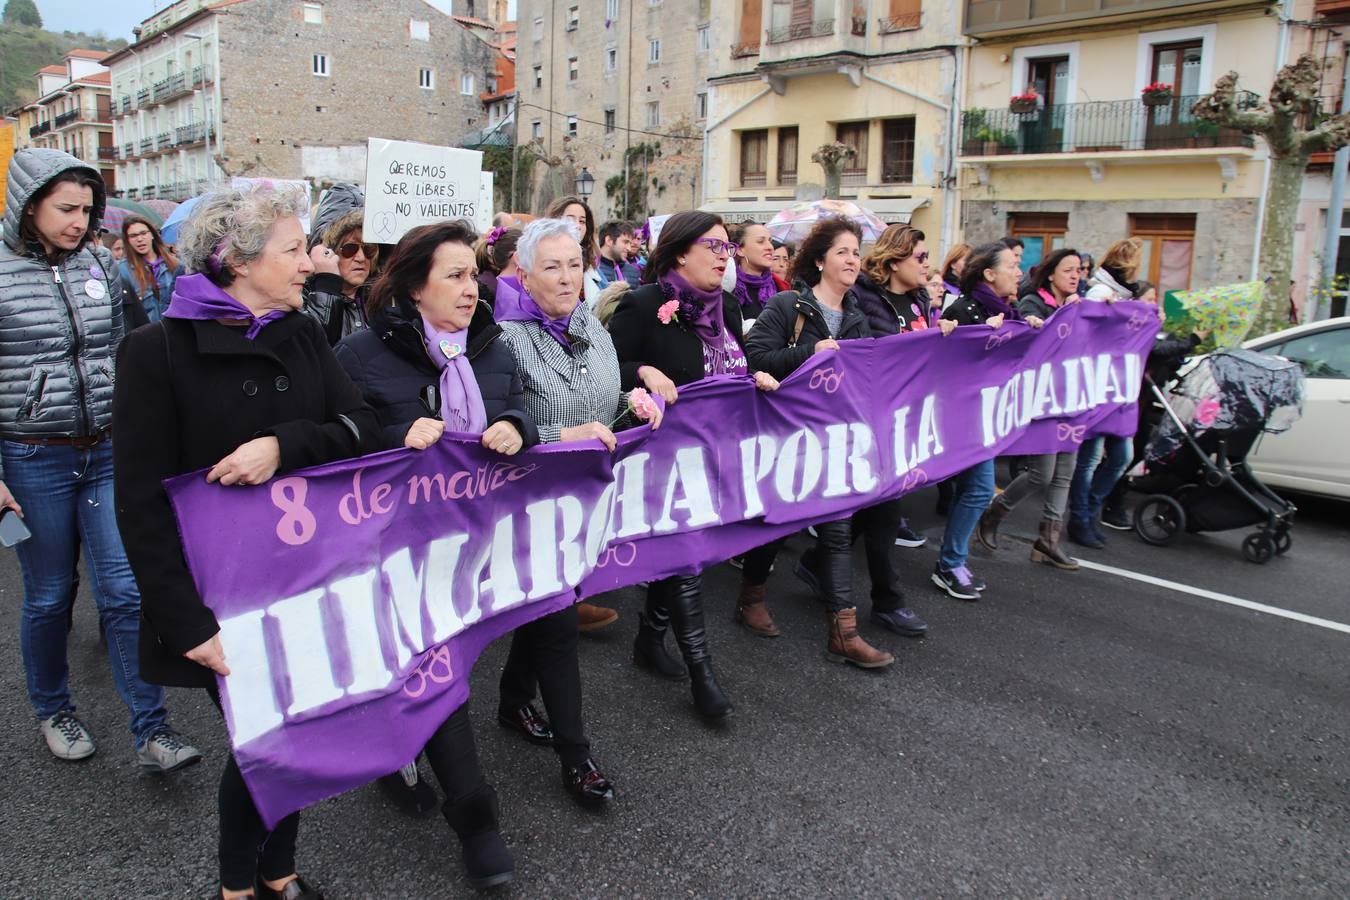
(524, 309)
(507, 299)
(198, 297)
(754, 290)
(461, 400)
(703, 308)
(993, 304)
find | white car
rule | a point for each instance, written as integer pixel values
(1312, 456)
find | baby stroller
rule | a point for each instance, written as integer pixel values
(1197, 474)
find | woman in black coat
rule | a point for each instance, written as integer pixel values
(234, 380)
(430, 362)
(678, 328)
(793, 328)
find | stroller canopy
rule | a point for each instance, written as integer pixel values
(1231, 392)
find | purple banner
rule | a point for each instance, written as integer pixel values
(354, 598)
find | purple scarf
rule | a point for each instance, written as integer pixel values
(507, 298)
(700, 310)
(993, 304)
(754, 291)
(198, 297)
(522, 308)
(461, 400)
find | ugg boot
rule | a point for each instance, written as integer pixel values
(753, 613)
(987, 529)
(487, 860)
(847, 646)
(1047, 549)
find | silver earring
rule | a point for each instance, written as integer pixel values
(820, 267)
(681, 260)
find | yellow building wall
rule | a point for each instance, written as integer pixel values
(1068, 178)
(815, 104)
(7, 138)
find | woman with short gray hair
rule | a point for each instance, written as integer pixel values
(236, 381)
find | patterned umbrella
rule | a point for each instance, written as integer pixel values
(118, 210)
(1227, 310)
(794, 223)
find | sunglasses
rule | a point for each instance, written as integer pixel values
(348, 250)
(922, 257)
(717, 245)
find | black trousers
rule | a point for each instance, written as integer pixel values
(877, 526)
(543, 657)
(246, 848)
(831, 561)
(1149, 417)
(454, 756)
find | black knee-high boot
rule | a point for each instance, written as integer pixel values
(649, 647)
(685, 597)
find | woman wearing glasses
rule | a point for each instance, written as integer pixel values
(148, 268)
(343, 263)
(661, 351)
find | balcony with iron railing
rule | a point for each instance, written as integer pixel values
(163, 141)
(743, 51)
(148, 192)
(989, 17)
(66, 118)
(897, 24)
(797, 31)
(146, 146)
(124, 105)
(142, 96)
(128, 149)
(196, 133)
(1098, 127)
(835, 28)
(40, 128)
(171, 87)
(107, 153)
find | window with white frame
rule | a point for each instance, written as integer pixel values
(466, 84)
(611, 10)
(536, 129)
(538, 76)
(573, 17)
(610, 119)
(654, 51)
(313, 13)
(419, 29)
(538, 28)
(701, 105)
(320, 65)
(573, 68)
(611, 59)
(653, 113)
(704, 38)
(571, 126)
(426, 78)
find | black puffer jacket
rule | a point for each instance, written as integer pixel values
(1033, 304)
(888, 312)
(769, 345)
(390, 365)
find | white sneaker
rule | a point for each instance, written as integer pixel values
(67, 737)
(166, 751)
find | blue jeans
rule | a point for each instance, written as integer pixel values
(66, 492)
(1093, 482)
(974, 488)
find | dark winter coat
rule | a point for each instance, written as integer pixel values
(968, 311)
(390, 365)
(337, 314)
(641, 340)
(888, 312)
(1032, 303)
(189, 393)
(770, 347)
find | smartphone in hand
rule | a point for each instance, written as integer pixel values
(12, 529)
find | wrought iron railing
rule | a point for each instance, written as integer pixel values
(146, 145)
(67, 117)
(40, 128)
(142, 96)
(107, 153)
(1096, 127)
(740, 51)
(125, 104)
(894, 24)
(801, 30)
(164, 140)
(129, 150)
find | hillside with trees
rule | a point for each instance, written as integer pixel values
(26, 47)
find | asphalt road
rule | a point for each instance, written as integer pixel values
(1073, 735)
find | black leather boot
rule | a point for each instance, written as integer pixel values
(649, 647)
(685, 595)
(487, 860)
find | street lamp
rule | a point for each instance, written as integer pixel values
(585, 183)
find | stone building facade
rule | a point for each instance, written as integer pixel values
(291, 88)
(617, 87)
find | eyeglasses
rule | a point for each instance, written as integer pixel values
(348, 250)
(922, 257)
(717, 245)
(132, 235)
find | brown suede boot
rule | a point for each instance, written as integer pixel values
(591, 617)
(987, 529)
(753, 613)
(846, 645)
(1047, 550)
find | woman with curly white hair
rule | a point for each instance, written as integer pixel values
(233, 380)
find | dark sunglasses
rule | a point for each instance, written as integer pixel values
(922, 257)
(348, 250)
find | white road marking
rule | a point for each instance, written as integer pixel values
(1215, 595)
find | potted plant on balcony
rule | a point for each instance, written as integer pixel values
(995, 141)
(1021, 104)
(1156, 94)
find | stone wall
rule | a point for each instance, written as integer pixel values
(273, 105)
(1225, 230)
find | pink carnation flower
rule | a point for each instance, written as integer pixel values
(641, 403)
(666, 313)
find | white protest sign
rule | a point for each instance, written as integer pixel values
(485, 204)
(654, 226)
(239, 183)
(410, 184)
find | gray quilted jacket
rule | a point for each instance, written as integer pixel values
(59, 324)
